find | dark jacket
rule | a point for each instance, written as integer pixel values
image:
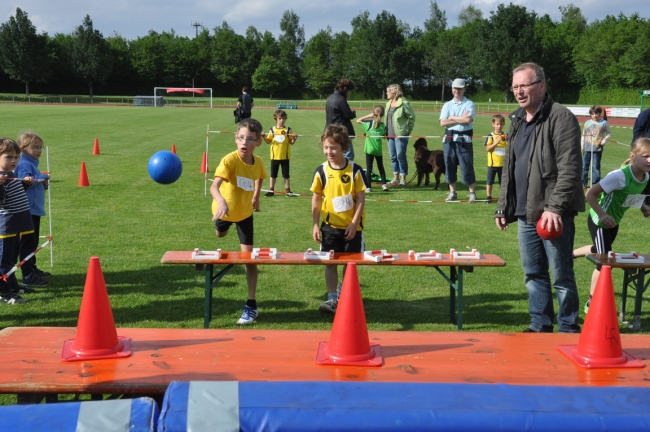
(641, 125)
(337, 111)
(554, 165)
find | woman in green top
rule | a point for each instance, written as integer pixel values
(400, 120)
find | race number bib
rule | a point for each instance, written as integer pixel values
(500, 151)
(245, 183)
(279, 138)
(635, 200)
(343, 203)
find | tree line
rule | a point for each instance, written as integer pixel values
(578, 57)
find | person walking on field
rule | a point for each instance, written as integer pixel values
(246, 103)
(457, 118)
(542, 180)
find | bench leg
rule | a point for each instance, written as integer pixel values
(640, 288)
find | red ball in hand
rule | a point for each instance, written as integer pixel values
(548, 233)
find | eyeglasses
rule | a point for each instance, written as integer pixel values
(247, 140)
(516, 88)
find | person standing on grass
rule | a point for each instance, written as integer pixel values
(236, 192)
(375, 131)
(541, 181)
(457, 117)
(337, 111)
(281, 138)
(246, 103)
(594, 137)
(15, 220)
(400, 120)
(610, 199)
(495, 144)
(641, 129)
(339, 200)
(31, 147)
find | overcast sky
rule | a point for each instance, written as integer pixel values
(131, 18)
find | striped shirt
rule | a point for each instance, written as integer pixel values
(15, 217)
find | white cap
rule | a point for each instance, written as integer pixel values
(458, 83)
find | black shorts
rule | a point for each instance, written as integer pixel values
(244, 229)
(275, 164)
(492, 174)
(602, 238)
(334, 239)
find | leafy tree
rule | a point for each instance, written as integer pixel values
(446, 58)
(291, 45)
(123, 74)
(269, 76)
(228, 56)
(147, 59)
(317, 62)
(340, 52)
(634, 63)
(90, 55)
(415, 67)
(572, 14)
(437, 21)
(468, 15)
(23, 53)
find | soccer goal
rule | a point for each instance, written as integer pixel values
(194, 90)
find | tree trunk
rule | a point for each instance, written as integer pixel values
(91, 92)
(442, 95)
(26, 88)
(507, 93)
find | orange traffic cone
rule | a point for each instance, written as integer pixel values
(174, 148)
(204, 164)
(599, 345)
(349, 343)
(96, 336)
(83, 176)
(96, 147)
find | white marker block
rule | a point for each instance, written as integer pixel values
(199, 254)
(264, 253)
(319, 255)
(425, 256)
(474, 254)
(379, 255)
(631, 258)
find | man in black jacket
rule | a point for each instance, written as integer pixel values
(245, 103)
(337, 111)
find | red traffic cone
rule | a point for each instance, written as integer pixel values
(96, 336)
(349, 343)
(83, 176)
(96, 147)
(174, 148)
(204, 164)
(599, 345)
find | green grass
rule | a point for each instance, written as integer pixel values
(129, 221)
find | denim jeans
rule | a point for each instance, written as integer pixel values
(595, 168)
(459, 153)
(349, 153)
(397, 152)
(537, 256)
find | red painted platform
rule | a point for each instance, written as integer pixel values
(30, 360)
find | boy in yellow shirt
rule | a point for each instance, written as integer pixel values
(236, 192)
(281, 138)
(495, 144)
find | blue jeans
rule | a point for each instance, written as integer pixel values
(397, 152)
(349, 154)
(595, 168)
(459, 153)
(537, 256)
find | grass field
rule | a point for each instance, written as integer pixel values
(129, 221)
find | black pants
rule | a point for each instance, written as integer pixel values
(28, 244)
(380, 165)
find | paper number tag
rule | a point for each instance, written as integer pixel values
(343, 203)
(635, 200)
(279, 138)
(245, 183)
(500, 151)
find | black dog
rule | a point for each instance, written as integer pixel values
(427, 162)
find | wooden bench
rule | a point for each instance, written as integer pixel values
(457, 267)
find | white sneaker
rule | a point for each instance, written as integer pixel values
(368, 190)
(402, 182)
(472, 197)
(248, 316)
(384, 187)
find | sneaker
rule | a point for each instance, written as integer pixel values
(368, 190)
(34, 280)
(393, 182)
(23, 290)
(290, 194)
(587, 306)
(269, 194)
(11, 298)
(472, 197)
(402, 182)
(329, 306)
(248, 316)
(384, 187)
(41, 273)
(488, 199)
(452, 197)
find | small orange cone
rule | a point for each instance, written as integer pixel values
(96, 147)
(96, 336)
(83, 176)
(349, 344)
(599, 345)
(174, 148)
(204, 164)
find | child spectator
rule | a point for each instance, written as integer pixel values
(594, 137)
(610, 198)
(15, 221)
(31, 146)
(338, 198)
(375, 131)
(236, 192)
(281, 140)
(495, 144)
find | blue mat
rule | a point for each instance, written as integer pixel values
(341, 406)
(121, 415)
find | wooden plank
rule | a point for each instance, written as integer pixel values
(605, 260)
(31, 360)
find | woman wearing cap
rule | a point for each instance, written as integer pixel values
(337, 111)
(400, 120)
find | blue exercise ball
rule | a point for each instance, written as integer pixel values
(165, 167)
